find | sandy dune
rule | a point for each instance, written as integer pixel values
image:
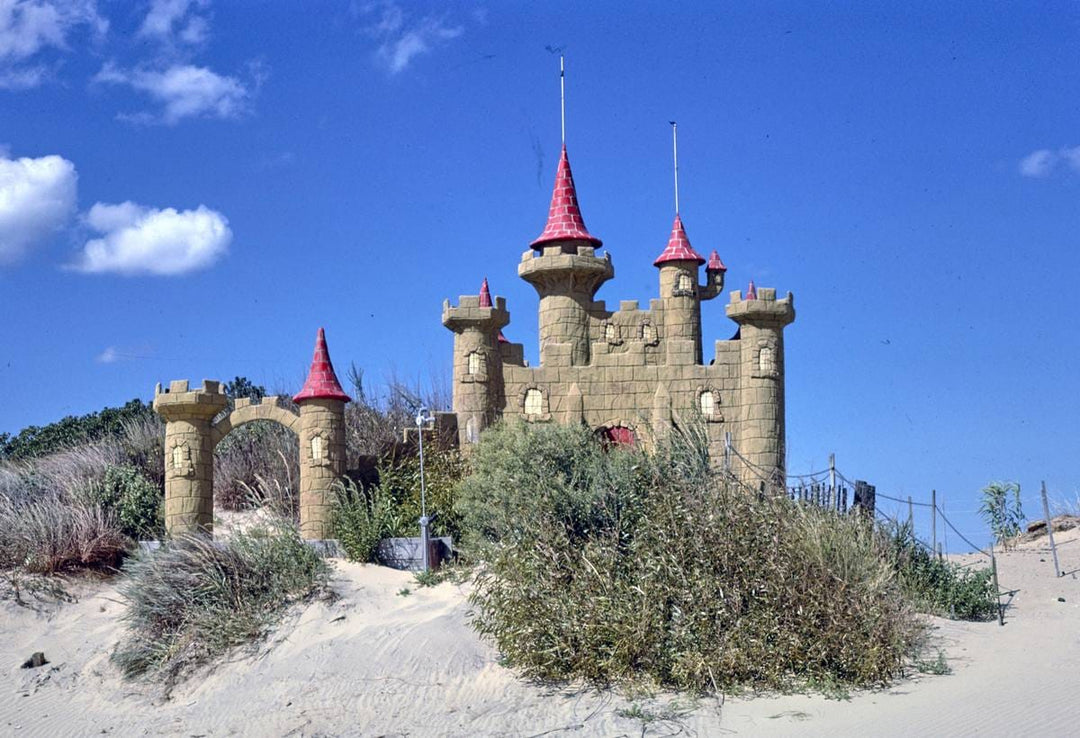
(376, 663)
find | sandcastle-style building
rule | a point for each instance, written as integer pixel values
(629, 373)
(196, 421)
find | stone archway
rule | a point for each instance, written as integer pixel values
(191, 434)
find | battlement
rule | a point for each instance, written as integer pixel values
(762, 307)
(269, 400)
(468, 313)
(206, 400)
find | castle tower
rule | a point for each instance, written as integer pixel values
(478, 368)
(322, 442)
(189, 454)
(761, 318)
(566, 274)
(681, 296)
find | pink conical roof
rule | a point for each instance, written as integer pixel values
(564, 221)
(678, 246)
(485, 295)
(751, 291)
(715, 265)
(502, 338)
(322, 382)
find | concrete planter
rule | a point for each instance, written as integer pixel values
(406, 553)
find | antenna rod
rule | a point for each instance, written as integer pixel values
(675, 154)
(562, 95)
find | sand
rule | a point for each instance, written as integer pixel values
(378, 663)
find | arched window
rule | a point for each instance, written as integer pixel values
(178, 456)
(534, 402)
(707, 403)
(684, 283)
(473, 366)
(318, 448)
(766, 360)
(610, 332)
(648, 333)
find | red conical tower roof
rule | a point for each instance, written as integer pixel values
(751, 291)
(715, 265)
(564, 221)
(485, 295)
(678, 246)
(322, 382)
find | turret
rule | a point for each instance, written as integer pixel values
(761, 318)
(681, 295)
(322, 442)
(563, 267)
(189, 453)
(478, 370)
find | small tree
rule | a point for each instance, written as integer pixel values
(1002, 511)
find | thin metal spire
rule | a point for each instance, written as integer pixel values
(562, 95)
(675, 154)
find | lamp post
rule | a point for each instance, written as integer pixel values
(422, 417)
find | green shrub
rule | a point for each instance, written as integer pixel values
(1002, 511)
(194, 598)
(362, 518)
(935, 586)
(138, 503)
(111, 422)
(624, 565)
(399, 480)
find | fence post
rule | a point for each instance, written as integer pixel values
(864, 498)
(997, 587)
(910, 514)
(727, 452)
(832, 474)
(1050, 531)
(933, 520)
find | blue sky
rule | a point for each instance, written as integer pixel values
(190, 189)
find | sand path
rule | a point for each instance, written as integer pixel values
(376, 663)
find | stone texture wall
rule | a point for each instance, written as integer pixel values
(322, 462)
(189, 454)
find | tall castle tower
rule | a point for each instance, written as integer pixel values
(633, 372)
(566, 273)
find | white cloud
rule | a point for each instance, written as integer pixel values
(1071, 157)
(1043, 162)
(109, 356)
(139, 240)
(183, 90)
(401, 39)
(37, 198)
(1038, 163)
(172, 21)
(27, 27)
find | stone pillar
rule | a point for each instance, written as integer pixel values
(478, 392)
(682, 312)
(189, 454)
(760, 430)
(322, 462)
(566, 275)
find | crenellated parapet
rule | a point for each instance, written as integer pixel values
(189, 452)
(761, 306)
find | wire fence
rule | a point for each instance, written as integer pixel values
(830, 489)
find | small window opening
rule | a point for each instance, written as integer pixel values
(534, 402)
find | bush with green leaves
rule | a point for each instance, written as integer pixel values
(1002, 511)
(363, 517)
(392, 506)
(195, 598)
(137, 503)
(623, 565)
(935, 586)
(72, 431)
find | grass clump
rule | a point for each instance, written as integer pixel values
(195, 598)
(52, 532)
(938, 587)
(624, 566)
(391, 507)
